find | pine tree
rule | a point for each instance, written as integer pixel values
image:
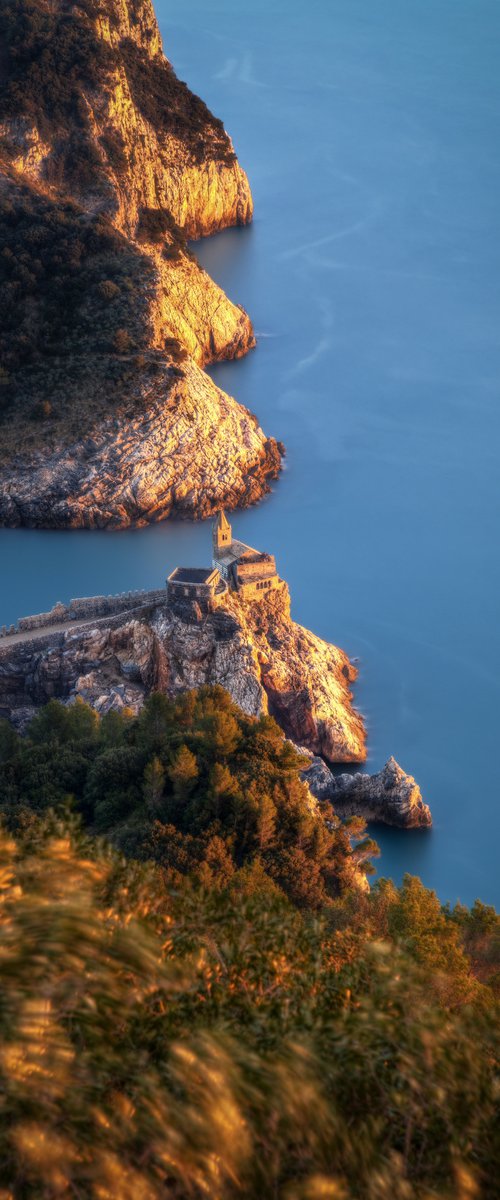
(183, 772)
(154, 785)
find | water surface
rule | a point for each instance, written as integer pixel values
(370, 135)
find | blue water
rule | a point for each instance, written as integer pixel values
(370, 135)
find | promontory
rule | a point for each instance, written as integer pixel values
(227, 624)
(108, 164)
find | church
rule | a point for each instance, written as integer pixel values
(236, 567)
(245, 570)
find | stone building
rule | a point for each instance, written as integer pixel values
(235, 566)
(251, 573)
(194, 583)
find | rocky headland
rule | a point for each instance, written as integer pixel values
(264, 659)
(108, 163)
(112, 652)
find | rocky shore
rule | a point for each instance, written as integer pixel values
(390, 797)
(187, 450)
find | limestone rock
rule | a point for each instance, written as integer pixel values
(391, 797)
(129, 430)
(265, 661)
(187, 450)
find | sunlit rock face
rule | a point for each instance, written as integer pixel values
(150, 145)
(107, 135)
(186, 449)
(265, 661)
(391, 796)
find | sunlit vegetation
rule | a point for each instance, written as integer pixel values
(193, 784)
(199, 1041)
(223, 1011)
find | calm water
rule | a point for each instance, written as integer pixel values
(370, 134)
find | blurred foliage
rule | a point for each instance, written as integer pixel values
(202, 1042)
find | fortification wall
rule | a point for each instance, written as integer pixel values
(84, 608)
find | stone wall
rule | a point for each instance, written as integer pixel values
(266, 568)
(198, 602)
(84, 608)
(255, 590)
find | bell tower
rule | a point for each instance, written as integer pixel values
(221, 534)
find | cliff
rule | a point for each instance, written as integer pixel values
(265, 661)
(107, 164)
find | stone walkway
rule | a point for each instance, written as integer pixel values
(32, 635)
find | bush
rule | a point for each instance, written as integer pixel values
(122, 341)
(108, 290)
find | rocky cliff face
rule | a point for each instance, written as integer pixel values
(113, 163)
(265, 660)
(183, 447)
(390, 797)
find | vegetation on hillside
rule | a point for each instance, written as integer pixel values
(67, 281)
(75, 295)
(53, 58)
(232, 1017)
(193, 784)
(74, 325)
(197, 1041)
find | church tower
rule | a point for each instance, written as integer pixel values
(221, 534)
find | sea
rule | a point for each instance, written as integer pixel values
(369, 132)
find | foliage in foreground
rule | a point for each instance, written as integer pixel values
(193, 1043)
(233, 1018)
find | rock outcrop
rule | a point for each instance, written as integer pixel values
(186, 449)
(108, 163)
(391, 796)
(265, 660)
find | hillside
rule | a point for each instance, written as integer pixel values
(107, 164)
(183, 1029)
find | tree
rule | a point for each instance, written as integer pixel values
(108, 290)
(122, 341)
(154, 785)
(156, 721)
(183, 772)
(266, 823)
(9, 742)
(51, 724)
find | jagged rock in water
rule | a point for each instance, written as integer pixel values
(107, 164)
(265, 661)
(391, 796)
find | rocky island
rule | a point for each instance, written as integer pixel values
(108, 164)
(228, 624)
